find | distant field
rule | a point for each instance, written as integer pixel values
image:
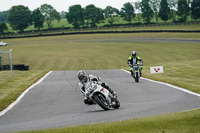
(138, 28)
(181, 60)
(162, 26)
(173, 26)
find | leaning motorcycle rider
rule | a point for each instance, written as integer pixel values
(133, 60)
(85, 83)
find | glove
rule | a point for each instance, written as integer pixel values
(99, 79)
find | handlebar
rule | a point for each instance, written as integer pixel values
(130, 65)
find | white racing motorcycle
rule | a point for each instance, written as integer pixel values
(101, 96)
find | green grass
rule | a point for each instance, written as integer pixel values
(118, 20)
(186, 122)
(181, 63)
(55, 24)
(13, 83)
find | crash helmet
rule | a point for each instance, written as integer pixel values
(82, 76)
(134, 53)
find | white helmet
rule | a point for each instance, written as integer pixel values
(134, 53)
(82, 76)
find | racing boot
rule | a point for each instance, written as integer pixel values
(109, 89)
(112, 92)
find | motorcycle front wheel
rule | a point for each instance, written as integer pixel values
(136, 77)
(101, 101)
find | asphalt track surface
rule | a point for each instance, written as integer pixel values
(121, 40)
(144, 40)
(57, 102)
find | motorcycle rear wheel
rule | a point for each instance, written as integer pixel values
(101, 101)
(117, 104)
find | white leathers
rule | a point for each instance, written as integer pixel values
(88, 83)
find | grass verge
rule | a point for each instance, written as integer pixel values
(184, 122)
(13, 83)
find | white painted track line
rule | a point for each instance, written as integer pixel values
(23, 94)
(172, 86)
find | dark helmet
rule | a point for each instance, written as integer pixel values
(82, 76)
(134, 53)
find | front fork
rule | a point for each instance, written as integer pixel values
(132, 69)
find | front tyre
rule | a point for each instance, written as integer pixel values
(136, 77)
(101, 101)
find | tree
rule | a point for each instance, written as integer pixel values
(63, 14)
(189, 2)
(155, 5)
(3, 16)
(3, 27)
(75, 16)
(183, 10)
(164, 10)
(138, 8)
(19, 17)
(93, 15)
(173, 5)
(38, 18)
(110, 14)
(127, 12)
(195, 7)
(49, 14)
(147, 12)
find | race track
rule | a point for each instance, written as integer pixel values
(57, 102)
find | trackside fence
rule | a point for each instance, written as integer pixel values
(143, 27)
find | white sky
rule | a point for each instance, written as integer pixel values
(62, 5)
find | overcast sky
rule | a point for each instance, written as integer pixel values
(62, 5)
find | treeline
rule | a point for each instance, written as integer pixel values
(20, 17)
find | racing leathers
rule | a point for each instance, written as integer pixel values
(84, 85)
(133, 60)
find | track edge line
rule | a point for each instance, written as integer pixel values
(23, 94)
(170, 85)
